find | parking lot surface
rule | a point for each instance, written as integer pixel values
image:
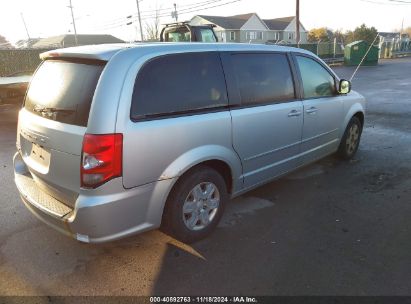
(332, 228)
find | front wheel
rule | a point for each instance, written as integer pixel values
(351, 139)
(195, 205)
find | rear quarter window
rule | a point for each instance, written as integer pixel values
(63, 90)
(179, 84)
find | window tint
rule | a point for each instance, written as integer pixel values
(63, 91)
(317, 81)
(263, 78)
(179, 83)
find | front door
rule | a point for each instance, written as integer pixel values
(323, 110)
(267, 124)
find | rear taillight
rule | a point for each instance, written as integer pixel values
(101, 159)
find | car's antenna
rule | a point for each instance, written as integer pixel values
(371, 45)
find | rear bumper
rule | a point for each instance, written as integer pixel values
(107, 213)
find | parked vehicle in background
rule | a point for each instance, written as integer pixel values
(13, 88)
(184, 32)
(115, 140)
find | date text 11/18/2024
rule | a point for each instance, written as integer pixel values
(207, 299)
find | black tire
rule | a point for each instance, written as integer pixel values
(175, 222)
(350, 140)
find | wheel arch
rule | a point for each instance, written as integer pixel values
(356, 110)
(219, 158)
(219, 166)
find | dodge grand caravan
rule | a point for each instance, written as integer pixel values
(115, 140)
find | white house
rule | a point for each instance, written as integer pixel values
(251, 28)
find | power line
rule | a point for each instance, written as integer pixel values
(152, 13)
(180, 6)
(190, 10)
(186, 6)
(194, 7)
(386, 3)
(198, 7)
(400, 1)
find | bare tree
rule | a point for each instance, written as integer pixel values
(152, 27)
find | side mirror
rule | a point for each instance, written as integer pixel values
(344, 87)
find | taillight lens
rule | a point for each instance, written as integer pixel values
(101, 159)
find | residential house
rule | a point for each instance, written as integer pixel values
(251, 28)
(68, 40)
(284, 29)
(26, 43)
(390, 36)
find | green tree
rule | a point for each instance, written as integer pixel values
(362, 32)
(349, 37)
(319, 34)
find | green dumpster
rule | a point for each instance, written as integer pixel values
(355, 51)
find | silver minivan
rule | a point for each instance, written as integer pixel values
(115, 140)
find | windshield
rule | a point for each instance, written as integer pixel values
(63, 90)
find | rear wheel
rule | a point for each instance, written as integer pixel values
(195, 205)
(351, 139)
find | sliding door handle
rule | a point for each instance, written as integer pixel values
(311, 110)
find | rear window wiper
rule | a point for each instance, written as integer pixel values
(52, 110)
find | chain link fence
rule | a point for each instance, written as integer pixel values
(324, 50)
(330, 52)
(334, 52)
(19, 61)
(395, 48)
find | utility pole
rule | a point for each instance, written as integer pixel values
(175, 14)
(74, 24)
(25, 26)
(402, 28)
(139, 20)
(297, 23)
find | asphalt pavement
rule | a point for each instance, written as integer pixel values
(332, 228)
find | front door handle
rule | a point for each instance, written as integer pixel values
(294, 113)
(311, 110)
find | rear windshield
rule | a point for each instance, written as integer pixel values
(63, 90)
